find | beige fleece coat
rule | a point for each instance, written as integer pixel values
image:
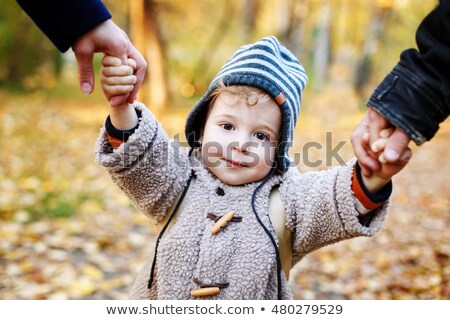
(152, 171)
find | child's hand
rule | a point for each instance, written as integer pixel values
(388, 169)
(117, 79)
(381, 177)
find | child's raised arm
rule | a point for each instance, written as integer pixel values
(118, 79)
(141, 159)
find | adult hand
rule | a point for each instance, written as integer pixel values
(380, 178)
(108, 38)
(367, 132)
(398, 141)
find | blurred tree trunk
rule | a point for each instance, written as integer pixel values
(377, 25)
(291, 31)
(322, 46)
(13, 74)
(23, 49)
(250, 12)
(147, 39)
(213, 43)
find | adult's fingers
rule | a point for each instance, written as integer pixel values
(402, 161)
(396, 146)
(360, 143)
(118, 46)
(84, 55)
(141, 68)
(376, 124)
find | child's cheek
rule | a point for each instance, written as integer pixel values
(269, 150)
(211, 150)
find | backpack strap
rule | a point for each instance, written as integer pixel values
(166, 221)
(277, 215)
(160, 224)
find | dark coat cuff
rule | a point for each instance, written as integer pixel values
(122, 135)
(379, 197)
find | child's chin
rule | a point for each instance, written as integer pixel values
(232, 181)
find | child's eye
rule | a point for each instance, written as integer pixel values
(227, 126)
(262, 136)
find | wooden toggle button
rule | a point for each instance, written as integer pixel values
(222, 222)
(203, 292)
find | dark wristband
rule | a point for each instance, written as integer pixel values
(120, 134)
(380, 196)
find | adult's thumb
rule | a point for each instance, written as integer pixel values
(396, 146)
(85, 70)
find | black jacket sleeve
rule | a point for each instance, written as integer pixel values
(415, 95)
(63, 21)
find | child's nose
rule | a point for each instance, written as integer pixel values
(242, 144)
(241, 147)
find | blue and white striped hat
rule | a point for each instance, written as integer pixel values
(266, 65)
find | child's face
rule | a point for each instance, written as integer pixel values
(239, 141)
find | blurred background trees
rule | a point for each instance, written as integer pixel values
(23, 49)
(185, 43)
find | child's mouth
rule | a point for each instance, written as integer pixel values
(234, 164)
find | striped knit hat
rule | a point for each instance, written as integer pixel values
(266, 65)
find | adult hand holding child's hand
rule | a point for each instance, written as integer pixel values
(367, 131)
(117, 79)
(108, 38)
(376, 150)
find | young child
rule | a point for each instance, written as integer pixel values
(223, 244)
